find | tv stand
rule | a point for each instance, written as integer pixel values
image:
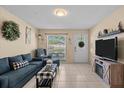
(105, 59)
(112, 73)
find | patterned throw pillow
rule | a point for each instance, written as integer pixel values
(17, 65)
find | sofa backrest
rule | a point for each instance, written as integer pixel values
(4, 65)
(45, 51)
(27, 57)
(17, 58)
(40, 52)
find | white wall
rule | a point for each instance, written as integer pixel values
(12, 48)
(70, 33)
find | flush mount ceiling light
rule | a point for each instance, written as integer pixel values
(60, 12)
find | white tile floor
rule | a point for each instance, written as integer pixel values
(74, 76)
(77, 76)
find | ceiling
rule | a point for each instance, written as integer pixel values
(79, 16)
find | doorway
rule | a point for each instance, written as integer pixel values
(80, 53)
(56, 46)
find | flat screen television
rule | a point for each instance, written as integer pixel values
(107, 49)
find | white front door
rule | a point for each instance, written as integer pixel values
(80, 54)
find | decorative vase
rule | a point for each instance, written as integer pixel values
(105, 31)
(121, 26)
(100, 33)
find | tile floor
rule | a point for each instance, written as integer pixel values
(74, 76)
(77, 76)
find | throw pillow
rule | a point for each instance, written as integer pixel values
(17, 65)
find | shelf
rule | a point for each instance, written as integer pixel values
(111, 33)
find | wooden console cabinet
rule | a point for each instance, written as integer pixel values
(112, 72)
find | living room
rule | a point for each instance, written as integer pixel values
(66, 41)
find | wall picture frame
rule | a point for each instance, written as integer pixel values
(27, 35)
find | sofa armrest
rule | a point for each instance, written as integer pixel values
(4, 82)
(48, 56)
(37, 59)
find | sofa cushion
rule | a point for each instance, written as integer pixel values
(16, 76)
(37, 63)
(27, 57)
(17, 58)
(4, 65)
(56, 61)
(3, 81)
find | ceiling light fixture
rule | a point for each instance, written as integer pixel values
(60, 12)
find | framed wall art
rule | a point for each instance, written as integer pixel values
(27, 35)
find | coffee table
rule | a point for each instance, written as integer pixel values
(44, 78)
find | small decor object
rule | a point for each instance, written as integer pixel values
(48, 67)
(28, 35)
(49, 61)
(105, 31)
(10, 30)
(49, 64)
(121, 26)
(81, 42)
(100, 33)
(112, 30)
(69, 39)
(40, 37)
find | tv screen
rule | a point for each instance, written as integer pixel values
(107, 48)
(99, 48)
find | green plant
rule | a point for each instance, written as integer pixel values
(10, 30)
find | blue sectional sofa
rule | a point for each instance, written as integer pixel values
(10, 78)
